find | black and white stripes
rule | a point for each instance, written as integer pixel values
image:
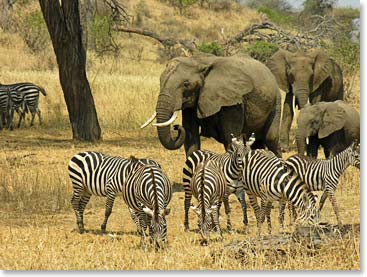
(265, 176)
(232, 166)
(101, 175)
(20, 97)
(147, 193)
(208, 185)
(323, 175)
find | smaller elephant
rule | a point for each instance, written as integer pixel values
(333, 125)
(306, 77)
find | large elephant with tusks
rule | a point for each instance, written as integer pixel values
(218, 96)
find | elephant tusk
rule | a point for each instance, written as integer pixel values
(307, 141)
(294, 103)
(167, 123)
(149, 120)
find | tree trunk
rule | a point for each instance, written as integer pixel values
(63, 23)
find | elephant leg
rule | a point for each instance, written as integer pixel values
(313, 147)
(191, 126)
(272, 134)
(287, 118)
(231, 121)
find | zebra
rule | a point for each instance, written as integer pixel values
(208, 185)
(232, 165)
(323, 175)
(4, 106)
(95, 173)
(23, 97)
(266, 176)
(147, 193)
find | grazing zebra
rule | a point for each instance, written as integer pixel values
(323, 175)
(23, 97)
(231, 164)
(266, 176)
(101, 175)
(147, 193)
(208, 185)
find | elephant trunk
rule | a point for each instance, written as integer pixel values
(302, 95)
(301, 142)
(165, 109)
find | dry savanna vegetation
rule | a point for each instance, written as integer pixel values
(37, 223)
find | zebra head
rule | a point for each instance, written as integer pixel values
(158, 226)
(205, 221)
(310, 213)
(239, 148)
(355, 156)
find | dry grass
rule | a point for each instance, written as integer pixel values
(37, 224)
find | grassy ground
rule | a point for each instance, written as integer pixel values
(38, 230)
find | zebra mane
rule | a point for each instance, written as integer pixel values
(202, 191)
(155, 205)
(133, 158)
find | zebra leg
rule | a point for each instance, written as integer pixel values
(267, 211)
(282, 205)
(33, 116)
(241, 198)
(109, 205)
(216, 221)
(227, 210)
(79, 203)
(322, 200)
(39, 116)
(257, 210)
(335, 207)
(187, 202)
(10, 120)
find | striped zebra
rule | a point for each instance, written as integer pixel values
(231, 164)
(266, 176)
(94, 173)
(208, 185)
(147, 193)
(23, 97)
(4, 106)
(323, 175)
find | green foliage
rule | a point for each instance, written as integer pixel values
(320, 7)
(34, 31)
(101, 33)
(261, 50)
(211, 48)
(276, 16)
(277, 5)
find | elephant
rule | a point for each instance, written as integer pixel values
(306, 77)
(333, 125)
(220, 97)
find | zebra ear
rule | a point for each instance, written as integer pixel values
(148, 211)
(196, 210)
(251, 140)
(164, 212)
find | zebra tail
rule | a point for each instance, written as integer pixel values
(42, 90)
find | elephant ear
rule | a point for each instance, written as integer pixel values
(334, 119)
(277, 65)
(322, 67)
(227, 81)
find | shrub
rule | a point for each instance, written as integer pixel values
(276, 16)
(102, 36)
(34, 31)
(211, 48)
(261, 50)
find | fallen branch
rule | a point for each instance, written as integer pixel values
(188, 46)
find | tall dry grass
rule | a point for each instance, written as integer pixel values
(37, 224)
